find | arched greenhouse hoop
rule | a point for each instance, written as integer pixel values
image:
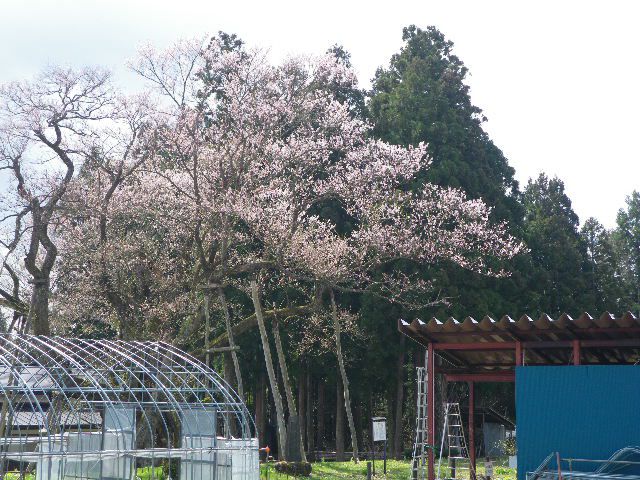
(109, 409)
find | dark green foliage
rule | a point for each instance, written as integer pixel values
(602, 276)
(556, 280)
(354, 98)
(627, 239)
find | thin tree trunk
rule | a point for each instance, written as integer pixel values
(287, 385)
(397, 434)
(6, 419)
(302, 404)
(343, 374)
(273, 382)
(234, 355)
(339, 422)
(390, 394)
(228, 377)
(207, 331)
(369, 424)
(321, 415)
(260, 409)
(357, 415)
(309, 416)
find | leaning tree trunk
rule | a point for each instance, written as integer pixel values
(339, 422)
(287, 387)
(273, 382)
(343, 375)
(232, 345)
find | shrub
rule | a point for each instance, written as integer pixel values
(149, 473)
(16, 476)
(509, 446)
(295, 469)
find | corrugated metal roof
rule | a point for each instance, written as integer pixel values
(67, 419)
(618, 338)
(35, 377)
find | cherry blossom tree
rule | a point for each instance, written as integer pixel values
(257, 150)
(231, 168)
(42, 124)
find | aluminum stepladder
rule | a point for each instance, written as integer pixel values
(453, 434)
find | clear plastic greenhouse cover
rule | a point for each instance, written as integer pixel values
(106, 409)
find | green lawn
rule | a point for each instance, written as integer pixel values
(396, 470)
(143, 473)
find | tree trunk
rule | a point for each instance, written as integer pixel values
(228, 377)
(39, 311)
(287, 385)
(321, 415)
(234, 355)
(207, 332)
(357, 415)
(397, 434)
(309, 416)
(339, 422)
(302, 405)
(390, 393)
(343, 374)
(260, 410)
(273, 382)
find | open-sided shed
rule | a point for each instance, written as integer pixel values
(496, 350)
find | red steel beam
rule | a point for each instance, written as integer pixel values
(431, 418)
(498, 377)
(621, 343)
(475, 346)
(518, 353)
(482, 346)
(576, 352)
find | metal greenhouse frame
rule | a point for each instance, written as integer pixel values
(105, 409)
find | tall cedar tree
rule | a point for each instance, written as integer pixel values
(628, 245)
(422, 97)
(558, 255)
(602, 273)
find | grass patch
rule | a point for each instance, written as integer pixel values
(396, 470)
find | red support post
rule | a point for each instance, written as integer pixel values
(518, 354)
(472, 432)
(576, 352)
(431, 418)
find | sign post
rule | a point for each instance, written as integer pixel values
(379, 430)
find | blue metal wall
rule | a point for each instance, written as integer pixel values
(579, 411)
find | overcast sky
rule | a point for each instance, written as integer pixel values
(558, 80)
